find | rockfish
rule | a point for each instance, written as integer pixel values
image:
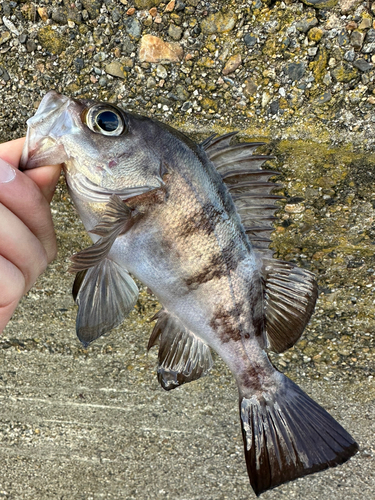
(192, 222)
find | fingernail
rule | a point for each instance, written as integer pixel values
(7, 172)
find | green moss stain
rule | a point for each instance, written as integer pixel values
(319, 66)
(330, 191)
(344, 73)
(219, 22)
(315, 34)
(320, 4)
(52, 41)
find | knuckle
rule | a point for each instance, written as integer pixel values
(52, 251)
(34, 267)
(37, 196)
(12, 283)
(43, 262)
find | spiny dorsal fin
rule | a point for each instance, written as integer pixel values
(183, 357)
(291, 294)
(249, 186)
(215, 142)
(236, 154)
(208, 141)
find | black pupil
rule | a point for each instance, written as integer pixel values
(108, 121)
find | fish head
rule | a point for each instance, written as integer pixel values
(104, 149)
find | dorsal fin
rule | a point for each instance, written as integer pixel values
(208, 141)
(183, 357)
(242, 173)
(249, 186)
(215, 142)
(231, 155)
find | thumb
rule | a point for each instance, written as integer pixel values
(44, 177)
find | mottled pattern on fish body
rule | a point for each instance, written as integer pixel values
(192, 251)
(156, 206)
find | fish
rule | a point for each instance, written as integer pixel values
(192, 222)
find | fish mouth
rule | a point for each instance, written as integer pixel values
(52, 120)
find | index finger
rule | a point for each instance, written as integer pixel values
(23, 199)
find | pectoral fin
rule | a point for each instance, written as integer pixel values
(183, 357)
(105, 295)
(291, 293)
(115, 221)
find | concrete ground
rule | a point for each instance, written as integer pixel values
(99, 427)
(93, 424)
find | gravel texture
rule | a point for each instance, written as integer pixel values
(92, 424)
(279, 69)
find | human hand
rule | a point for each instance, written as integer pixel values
(27, 236)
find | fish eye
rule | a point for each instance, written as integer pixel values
(104, 119)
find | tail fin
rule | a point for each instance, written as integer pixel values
(287, 435)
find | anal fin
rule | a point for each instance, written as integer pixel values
(183, 357)
(291, 294)
(105, 295)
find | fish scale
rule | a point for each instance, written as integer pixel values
(209, 260)
(193, 223)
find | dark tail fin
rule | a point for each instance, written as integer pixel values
(287, 435)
